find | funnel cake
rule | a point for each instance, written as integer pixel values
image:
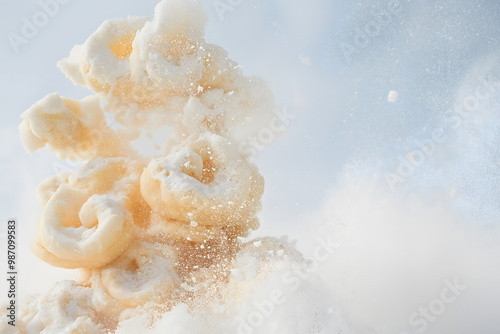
(204, 181)
(78, 231)
(164, 72)
(74, 130)
(69, 308)
(146, 231)
(145, 272)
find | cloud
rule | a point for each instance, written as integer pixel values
(398, 253)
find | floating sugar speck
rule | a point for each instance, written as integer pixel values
(305, 60)
(236, 273)
(393, 96)
(453, 192)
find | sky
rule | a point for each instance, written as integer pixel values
(419, 172)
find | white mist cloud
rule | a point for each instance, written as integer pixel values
(398, 252)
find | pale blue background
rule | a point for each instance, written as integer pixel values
(342, 113)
